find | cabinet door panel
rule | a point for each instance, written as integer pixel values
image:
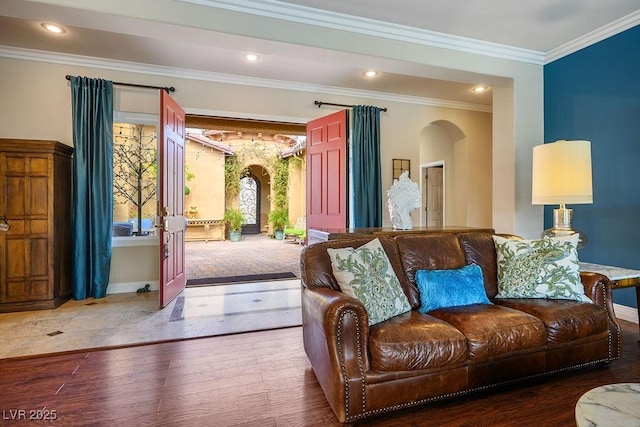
(15, 197)
(39, 226)
(39, 166)
(38, 257)
(16, 259)
(40, 290)
(16, 164)
(39, 203)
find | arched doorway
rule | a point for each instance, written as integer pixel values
(464, 189)
(250, 203)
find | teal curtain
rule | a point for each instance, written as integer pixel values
(92, 111)
(366, 173)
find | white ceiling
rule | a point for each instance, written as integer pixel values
(531, 31)
(540, 25)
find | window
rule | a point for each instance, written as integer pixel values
(135, 174)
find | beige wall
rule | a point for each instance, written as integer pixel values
(37, 105)
(462, 143)
(297, 188)
(134, 264)
(207, 187)
(401, 127)
(517, 87)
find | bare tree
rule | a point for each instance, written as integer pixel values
(135, 167)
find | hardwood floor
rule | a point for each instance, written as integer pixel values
(257, 379)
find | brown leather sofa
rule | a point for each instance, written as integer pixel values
(416, 358)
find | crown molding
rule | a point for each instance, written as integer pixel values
(615, 27)
(158, 70)
(339, 21)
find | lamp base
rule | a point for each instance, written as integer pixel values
(562, 226)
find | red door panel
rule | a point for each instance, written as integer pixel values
(335, 186)
(315, 194)
(327, 171)
(171, 200)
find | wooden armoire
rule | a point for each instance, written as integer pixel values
(35, 204)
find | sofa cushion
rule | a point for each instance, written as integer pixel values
(564, 320)
(429, 252)
(366, 274)
(479, 249)
(493, 330)
(543, 268)
(415, 341)
(450, 288)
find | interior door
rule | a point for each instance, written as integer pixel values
(327, 159)
(171, 199)
(435, 196)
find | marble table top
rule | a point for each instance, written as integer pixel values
(610, 405)
(613, 273)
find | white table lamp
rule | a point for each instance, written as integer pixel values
(562, 175)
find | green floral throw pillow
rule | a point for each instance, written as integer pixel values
(366, 274)
(545, 268)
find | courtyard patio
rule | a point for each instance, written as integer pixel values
(254, 254)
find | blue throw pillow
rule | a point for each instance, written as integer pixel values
(450, 288)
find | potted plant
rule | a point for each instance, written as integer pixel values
(279, 217)
(234, 218)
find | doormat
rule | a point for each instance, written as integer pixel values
(211, 281)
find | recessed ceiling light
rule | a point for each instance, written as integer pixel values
(370, 73)
(53, 28)
(251, 57)
(480, 88)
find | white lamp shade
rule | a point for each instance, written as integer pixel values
(562, 173)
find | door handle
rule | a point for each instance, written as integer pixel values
(4, 225)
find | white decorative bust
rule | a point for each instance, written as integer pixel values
(404, 197)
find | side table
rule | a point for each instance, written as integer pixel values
(620, 277)
(610, 405)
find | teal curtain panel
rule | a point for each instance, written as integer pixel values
(92, 185)
(367, 175)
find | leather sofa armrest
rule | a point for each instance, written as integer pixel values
(598, 288)
(335, 330)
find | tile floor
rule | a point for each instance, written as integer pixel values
(123, 319)
(131, 318)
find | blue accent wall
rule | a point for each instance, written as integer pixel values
(594, 94)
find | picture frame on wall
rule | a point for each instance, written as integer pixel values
(400, 166)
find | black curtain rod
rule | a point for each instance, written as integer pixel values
(166, 89)
(320, 104)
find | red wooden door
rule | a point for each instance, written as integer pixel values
(171, 199)
(327, 159)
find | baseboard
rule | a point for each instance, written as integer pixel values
(121, 288)
(626, 313)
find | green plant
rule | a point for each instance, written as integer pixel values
(280, 182)
(188, 175)
(279, 217)
(234, 219)
(232, 174)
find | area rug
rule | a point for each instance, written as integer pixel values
(212, 281)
